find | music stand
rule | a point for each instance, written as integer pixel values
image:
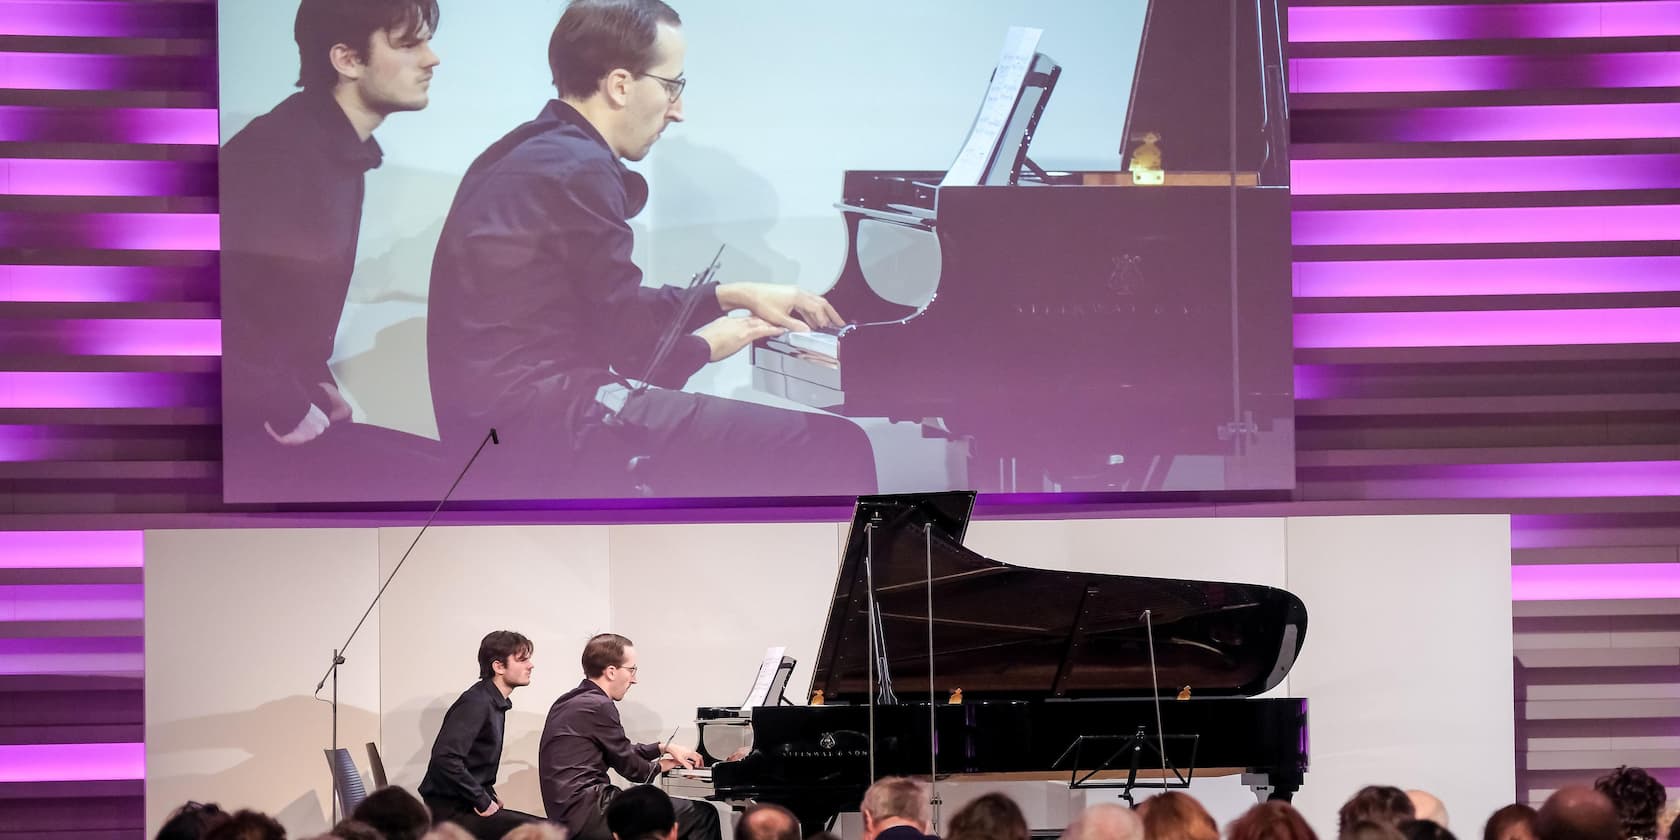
(1134, 745)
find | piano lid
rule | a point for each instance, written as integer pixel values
(1002, 631)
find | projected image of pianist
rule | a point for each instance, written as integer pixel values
(539, 324)
(292, 185)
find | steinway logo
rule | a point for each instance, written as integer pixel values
(1125, 282)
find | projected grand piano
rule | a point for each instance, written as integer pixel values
(1054, 669)
(1076, 329)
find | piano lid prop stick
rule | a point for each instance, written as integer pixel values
(1155, 684)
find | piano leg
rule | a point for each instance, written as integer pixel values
(1273, 784)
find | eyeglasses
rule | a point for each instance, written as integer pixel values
(632, 669)
(673, 87)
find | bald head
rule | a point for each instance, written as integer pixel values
(1577, 813)
(1427, 807)
(1105, 822)
(765, 821)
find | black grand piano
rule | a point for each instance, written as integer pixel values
(1079, 330)
(1056, 672)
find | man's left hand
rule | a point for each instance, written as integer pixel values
(779, 303)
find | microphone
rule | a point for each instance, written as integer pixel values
(493, 439)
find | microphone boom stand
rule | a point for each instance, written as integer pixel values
(338, 652)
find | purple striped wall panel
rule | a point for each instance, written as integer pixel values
(55, 176)
(112, 337)
(170, 126)
(1427, 73)
(1487, 328)
(1468, 225)
(113, 231)
(106, 283)
(1434, 176)
(1489, 123)
(74, 655)
(1519, 276)
(71, 549)
(71, 602)
(71, 762)
(107, 19)
(1466, 21)
(100, 389)
(73, 71)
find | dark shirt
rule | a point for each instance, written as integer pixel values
(904, 832)
(468, 748)
(291, 211)
(535, 302)
(582, 738)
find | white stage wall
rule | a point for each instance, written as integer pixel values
(1407, 664)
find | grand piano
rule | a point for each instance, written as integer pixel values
(1059, 673)
(1079, 330)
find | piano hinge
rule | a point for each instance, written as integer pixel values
(1245, 427)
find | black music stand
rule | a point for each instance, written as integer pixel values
(1133, 745)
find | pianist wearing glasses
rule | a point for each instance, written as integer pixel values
(584, 736)
(539, 323)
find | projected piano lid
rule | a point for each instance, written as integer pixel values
(1002, 631)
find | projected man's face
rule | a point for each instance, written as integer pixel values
(397, 71)
(651, 106)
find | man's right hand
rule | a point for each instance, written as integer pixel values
(308, 429)
(494, 807)
(727, 336)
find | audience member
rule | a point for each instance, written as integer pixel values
(1376, 803)
(1273, 820)
(1421, 829)
(643, 812)
(990, 817)
(895, 808)
(192, 821)
(351, 829)
(536, 831)
(1577, 813)
(767, 821)
(1106, 821)
(1176, 816)
(1512, 822)
(1426, 806)
(448, 831)
(1638, 799)
(1370, 830)
(395, 813)
(248, 825)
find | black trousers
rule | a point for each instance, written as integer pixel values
(696, 820)
(484, 828)
(704, 445)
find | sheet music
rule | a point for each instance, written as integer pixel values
(1019, 46)
(766, 674)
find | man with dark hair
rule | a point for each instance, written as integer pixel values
(291, 210)
(248, 825)
(395, 813)
(539, 322)
(1375, 803)
(584, 737)
(1576, 812)
(192, 821)
(643, 812)
(767, 821)
(895, 808)
(1638, 797)
(460, 782)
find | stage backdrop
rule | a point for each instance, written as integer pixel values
(1092, 364)
(1407, 657)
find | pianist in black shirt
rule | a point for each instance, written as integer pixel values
(538, 321)
(460, 782)
(291, 211)
(583, 737)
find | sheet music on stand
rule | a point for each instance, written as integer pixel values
(768, 672)
(1019, 47)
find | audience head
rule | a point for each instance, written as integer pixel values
(1421, 829)
(1270, 821)
(1426, 806)
(192, 821)
(643, 812)
(991, 817)
(767, 821)
(503, 646)
(248, 825)
(449, 831)
(540, 830)
(354, 830)
(394, 813)
(1106, 821)
(1638, 799)
(894, 800)
(1577, 813)
(1376, 803)
(1370, 830)
(1176, 816)
(1512, 822)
